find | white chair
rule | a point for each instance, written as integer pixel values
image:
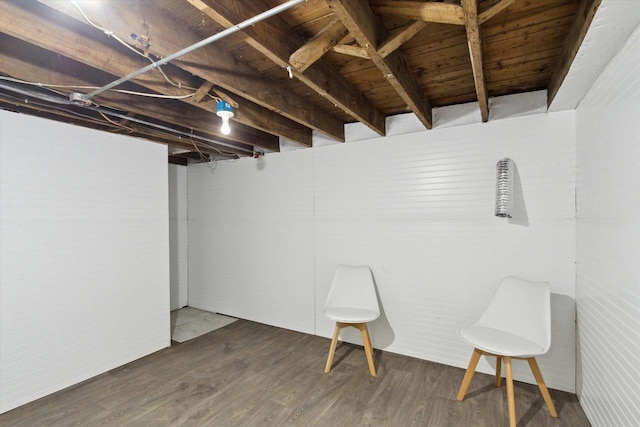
(515, 325)
(352, 301)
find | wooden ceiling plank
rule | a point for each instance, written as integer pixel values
(367, 30)
(209, 62)
(351, 50)
(12, 64)
(494, 10)
(275, 39)
(202, 92)
(585, 14)
(442, 13)
(398, 38)
(321, 43)
(474, 39)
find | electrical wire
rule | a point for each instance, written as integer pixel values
(119, 125)
(128, 92)
(99, 109)
(110, 33)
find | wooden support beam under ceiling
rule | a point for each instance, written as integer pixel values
(351, 50)
(494, 10)
(442, 13)
(363, 24)
(57, 35)
(202, 91)
(275, 39)
(74, 115)
(474, 39)
(400, 36)
(584, 16)
(17, 58)
(313, 50)
(209, 62)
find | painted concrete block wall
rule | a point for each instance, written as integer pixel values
(84, 254)
(608, 242)
(417, 208)
(179, 264)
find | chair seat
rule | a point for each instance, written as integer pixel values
(350, 314)
(499, 342)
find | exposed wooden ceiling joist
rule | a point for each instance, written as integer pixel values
(586, 12)
(351, 50)
(407, 51)
(494, 10)
(277, 41)
(209, 62)
(369, 33)
(202, 91)
(442, 13)
(474, 39)
(399, 37)
(313, 50)
(56, 35)
(171, 112)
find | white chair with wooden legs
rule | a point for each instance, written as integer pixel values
(515, 325)
(352, 301)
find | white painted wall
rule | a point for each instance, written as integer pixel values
(266, 236)
(178, 243)
(608, 242)
(84, 254)
(251, 239)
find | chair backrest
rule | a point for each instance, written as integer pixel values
(353, 287)
(521, 307)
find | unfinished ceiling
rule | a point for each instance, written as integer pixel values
(313, 67)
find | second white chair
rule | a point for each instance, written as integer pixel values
(352, 301)
(516, 324)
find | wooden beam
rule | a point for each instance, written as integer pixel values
(220, 93)
(18, 18)
(322, 42)
(363, 24)
(475, 52)
(442, 13)
(176, 160)
(584, 16)
(23, 61)
(210, 62)
(400, 36)
(494, 10)
(351, 50)
(201, 92)
(275, 39)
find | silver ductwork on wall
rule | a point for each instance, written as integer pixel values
(504, 187)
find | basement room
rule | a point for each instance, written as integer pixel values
(320, 213)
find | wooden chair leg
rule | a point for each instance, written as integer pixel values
(510, 397)
(542, 386)
(473, 362)
(332, 349)
(498, 371)
(368, 348)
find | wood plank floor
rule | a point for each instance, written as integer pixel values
(249, 374)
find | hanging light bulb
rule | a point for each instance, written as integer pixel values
(225, 128)
(225, 111)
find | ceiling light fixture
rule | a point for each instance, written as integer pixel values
(225, 111)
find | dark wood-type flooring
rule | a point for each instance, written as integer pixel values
(249, 374)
